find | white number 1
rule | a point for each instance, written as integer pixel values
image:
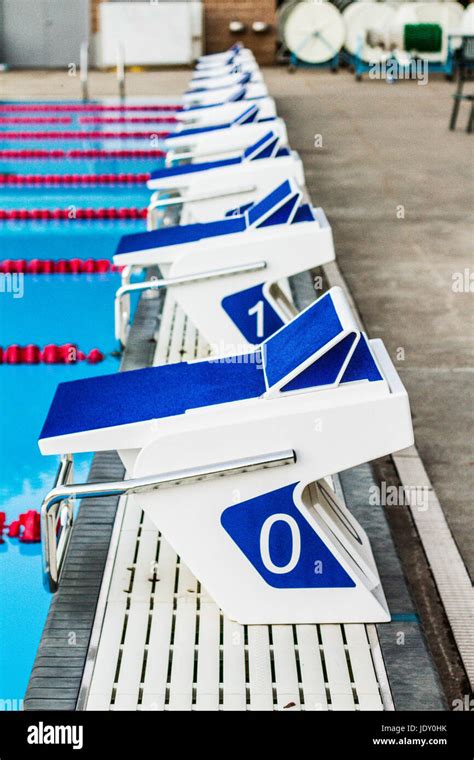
(258, 310)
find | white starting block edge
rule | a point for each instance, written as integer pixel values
(225, 112)
(262, 172)
(154, 622)
(219, 95)
(222, 142)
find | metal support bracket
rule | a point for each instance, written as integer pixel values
(57, 511)
(122, 296)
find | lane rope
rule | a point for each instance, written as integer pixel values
(75, 135)
(58, 266)
(90, 153)
(68, 353)
(73, 179)
(71, 214)
(128, 120)
(77, 107)
(35, 120)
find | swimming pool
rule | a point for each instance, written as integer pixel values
(45, 309)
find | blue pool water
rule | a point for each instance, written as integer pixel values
(143, 143)
(78, 165)
(48, 312)
(63, 239)
(53, 309)
(90, 126)
(79, 196)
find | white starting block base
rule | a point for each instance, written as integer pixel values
(165, 645)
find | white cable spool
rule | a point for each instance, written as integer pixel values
(314, 31)
(467, 21)
(282, 14)
(359, 18)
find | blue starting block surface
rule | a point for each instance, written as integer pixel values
(279, 207)
(169, 390)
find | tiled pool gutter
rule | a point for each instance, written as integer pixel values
(58, 669)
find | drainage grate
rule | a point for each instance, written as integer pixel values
(165, 645)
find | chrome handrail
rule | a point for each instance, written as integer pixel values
(54, 551)
(84, 69)
(121, 70)
(182, 200)
(56, 536)
(122, 307)
(179, 155)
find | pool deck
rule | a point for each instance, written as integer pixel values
(396, 186)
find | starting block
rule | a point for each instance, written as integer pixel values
(226, 69)
(225, 112)
(228, 457)
(237, 54)
(207, 185)
(225, 273)
(213, 82)
(204, 97)
(220, 141)
(245, 114)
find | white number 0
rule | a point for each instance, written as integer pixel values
(265, 543)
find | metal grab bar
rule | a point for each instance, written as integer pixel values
(181, 200)
(157, 203)
(122, 297)
(84, 70)
(61, 495)
(178, 155)
(55, 542)
(121, 70)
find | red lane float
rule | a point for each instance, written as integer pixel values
(50, 354)
(74, 179)
(64, 214)
(35, 120)
(90, 153)
(58, 266)
(73, 107)
(128, 120)
(27, 527)
(83, 135)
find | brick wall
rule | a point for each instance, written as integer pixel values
(95, 14)
(218, 14)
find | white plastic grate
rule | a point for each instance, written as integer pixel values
(165, 645)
